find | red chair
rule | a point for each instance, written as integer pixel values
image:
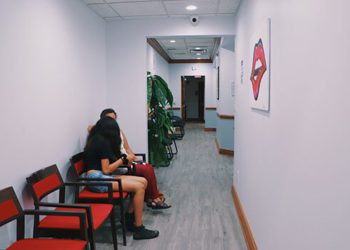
(48, 180)
(11, 210)
(87, 196)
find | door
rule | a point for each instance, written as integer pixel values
(192, 98)
(183, 98)
(201, 87)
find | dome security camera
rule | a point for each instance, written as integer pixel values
(194, 20)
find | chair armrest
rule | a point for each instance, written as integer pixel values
(99, 182)
(52, 204)
(79, 214)
(122, 170)
(143, 155)
(86, 207)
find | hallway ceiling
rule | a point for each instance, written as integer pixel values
(182, 49)
(130, 9)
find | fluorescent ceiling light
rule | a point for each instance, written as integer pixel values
(198, 54)
(191, 7)
(198, 48)
(172, 41)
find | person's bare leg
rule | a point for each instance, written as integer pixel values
(136, 185)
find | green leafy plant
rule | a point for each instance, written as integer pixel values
(159, 97)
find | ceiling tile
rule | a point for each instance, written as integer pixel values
(178, 52)
(199, 40)
(103, 10)
(115, 18)
(139, 8)
(144, 17)
(93, 1)
(128, 1)
(180, 43)
(228, 6)
(179, 7)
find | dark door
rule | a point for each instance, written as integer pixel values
(183, 98)
(201, 87)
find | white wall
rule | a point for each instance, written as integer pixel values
(225, 105)
(52, 85)
(292, 164)
(127, 65)
(186, 69)
(156, 64)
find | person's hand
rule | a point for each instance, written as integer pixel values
(130, 158)
(134, 158)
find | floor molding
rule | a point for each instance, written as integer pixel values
(222, 150)
(209, 129)
(222, 116)
(249, 239)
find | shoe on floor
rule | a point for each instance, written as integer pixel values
(158, 205)
(142, 233)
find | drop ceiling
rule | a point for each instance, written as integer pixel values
(130, 9)
(182, 49)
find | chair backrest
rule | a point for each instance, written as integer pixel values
(45, 181)
(77, 162)
(9, 206)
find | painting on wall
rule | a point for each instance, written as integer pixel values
(259, 61)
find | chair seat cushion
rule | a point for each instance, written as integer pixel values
(99, 214)
(51, 244)
(87, 194)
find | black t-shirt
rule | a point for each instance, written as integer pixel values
(97, 150)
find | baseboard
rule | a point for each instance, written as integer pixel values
(174, 108)
(248, 236)
(209, 129)
(223, 151)
(222, 116)
(194, 120)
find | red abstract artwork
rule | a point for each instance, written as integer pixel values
(258, 68)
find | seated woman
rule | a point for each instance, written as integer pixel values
(153, 197)
(102, 157)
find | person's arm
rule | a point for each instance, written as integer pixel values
(104, 154)
(108, 168)
(130, 153)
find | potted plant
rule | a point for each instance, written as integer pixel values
(159, 97)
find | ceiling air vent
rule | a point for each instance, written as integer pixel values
(198, 51)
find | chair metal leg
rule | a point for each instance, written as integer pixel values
(170, 153)
(176, 151)
(114, 230)
(122, 215)
(91, 238)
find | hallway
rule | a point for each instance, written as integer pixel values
(198, 186)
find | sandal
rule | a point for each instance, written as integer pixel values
(155, 205)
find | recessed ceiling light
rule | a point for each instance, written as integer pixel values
(191, 7)
(172, 41)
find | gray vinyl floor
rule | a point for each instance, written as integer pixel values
(198, 186)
